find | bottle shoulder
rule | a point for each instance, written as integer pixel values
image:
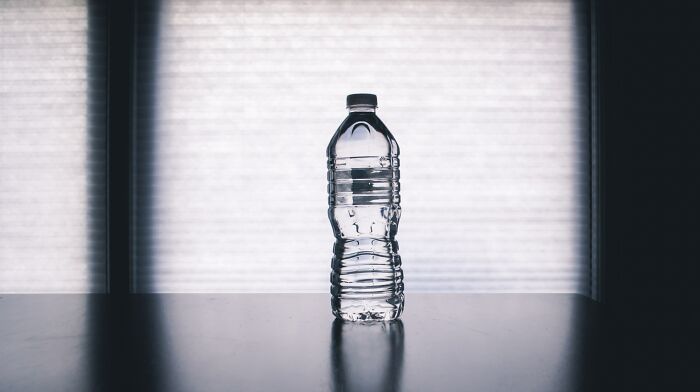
(362, 134)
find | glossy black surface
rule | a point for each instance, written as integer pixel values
(290, 342)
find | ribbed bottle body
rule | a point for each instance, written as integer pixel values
(364, 211)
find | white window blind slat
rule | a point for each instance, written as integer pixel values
(51, 149)
(487, 99)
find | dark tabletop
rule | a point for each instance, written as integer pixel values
(290, 342)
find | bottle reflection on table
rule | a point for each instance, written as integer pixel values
(367, 356)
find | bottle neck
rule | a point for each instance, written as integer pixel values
(362, 109)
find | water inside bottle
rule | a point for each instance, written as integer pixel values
(364, 210)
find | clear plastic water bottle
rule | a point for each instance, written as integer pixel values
(364, 210)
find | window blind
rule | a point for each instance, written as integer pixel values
(51, 147)
(487, 99)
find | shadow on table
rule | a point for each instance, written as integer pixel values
(127, 347)
(367, 356)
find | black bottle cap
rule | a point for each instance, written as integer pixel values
(361, 99)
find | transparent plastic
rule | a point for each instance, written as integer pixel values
(364, 211)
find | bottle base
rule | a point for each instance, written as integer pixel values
(368, 309)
